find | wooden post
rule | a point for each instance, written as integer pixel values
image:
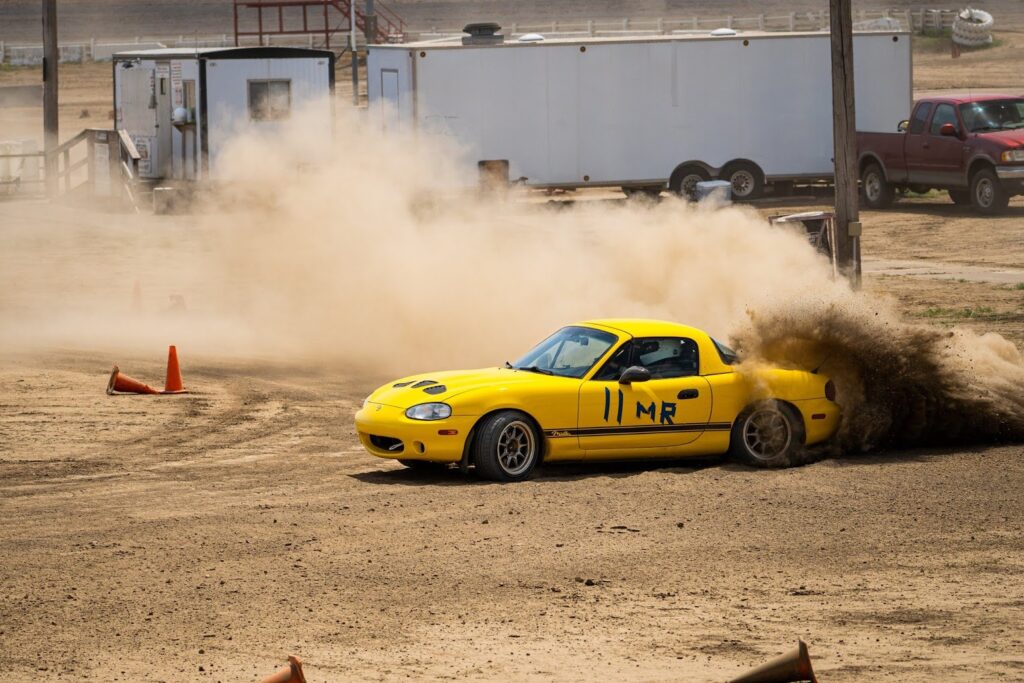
(844, 136)
(51, 121)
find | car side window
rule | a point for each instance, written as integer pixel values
(613, 367)
(667, 357)
(920, 117)
(944, 114)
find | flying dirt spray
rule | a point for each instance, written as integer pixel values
(369, 262)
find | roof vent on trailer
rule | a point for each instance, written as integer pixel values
(485, 33)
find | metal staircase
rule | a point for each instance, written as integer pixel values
(259, 18)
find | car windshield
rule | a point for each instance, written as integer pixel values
(993, 115)
(570, 352)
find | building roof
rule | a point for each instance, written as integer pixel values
(454, 41)
(224, 53)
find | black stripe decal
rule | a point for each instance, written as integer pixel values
(638, 429)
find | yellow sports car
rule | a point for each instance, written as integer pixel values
(601, 390)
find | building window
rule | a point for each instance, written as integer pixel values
(270, 100)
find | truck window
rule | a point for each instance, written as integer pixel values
(920, 117)
(944, 113)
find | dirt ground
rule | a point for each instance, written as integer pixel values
(206, 536)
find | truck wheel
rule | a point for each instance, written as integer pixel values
(684, 181)
(960, 197)
(746, 179)
(987, 195)
(877, 192)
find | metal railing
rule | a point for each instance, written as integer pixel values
(95, 162)
(919, 20)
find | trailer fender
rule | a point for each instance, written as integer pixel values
(747, 178)
(686, 175)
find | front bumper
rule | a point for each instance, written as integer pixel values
(386, 432)
(1010, 173)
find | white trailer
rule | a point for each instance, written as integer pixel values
(639, 112)
(181, 106)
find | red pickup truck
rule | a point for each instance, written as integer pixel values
(972, 147)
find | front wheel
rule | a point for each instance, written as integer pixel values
(507, 447)
(987, 194)
(767, 434)
(877, 192)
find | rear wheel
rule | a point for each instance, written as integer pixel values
(960, 197)
(987, 194)
(746, 179)
(684, 181)
(877, 192)
(767, 434)
(507, 447)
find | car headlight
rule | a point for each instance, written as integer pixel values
(429, 411)
(1013, 155)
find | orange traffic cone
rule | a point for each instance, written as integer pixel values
(288, 674)
(173, 384)
(127, 385)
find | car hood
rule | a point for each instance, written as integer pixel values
(442, 386)
(1012, 139)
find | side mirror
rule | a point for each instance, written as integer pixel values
(902, 126)
(948, 130)
(634, 374)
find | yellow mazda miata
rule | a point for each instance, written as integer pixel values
(601, 390)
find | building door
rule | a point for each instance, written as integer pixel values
(164, 139)
(389, 99)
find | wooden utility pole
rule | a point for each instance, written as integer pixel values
(51, 57)
(844, 140)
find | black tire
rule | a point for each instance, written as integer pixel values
(767, 434)
(507, 447)
(684, 181)
(876, 191)
(960, 197)
(988, 196)
(424, 465)
(746, 178)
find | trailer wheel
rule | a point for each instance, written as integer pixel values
(684, 180)
(878, 193)
(988, 196)
(746, 178)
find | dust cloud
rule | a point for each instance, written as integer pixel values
(363, 256)
(900, 384)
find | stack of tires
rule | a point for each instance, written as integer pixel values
(972, 28)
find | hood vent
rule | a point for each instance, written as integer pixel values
(485, 33)
(423, 383)
(436, 389)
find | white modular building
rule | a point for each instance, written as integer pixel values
(181, 106)
(638, 112)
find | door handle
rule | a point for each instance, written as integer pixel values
(688, 393)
